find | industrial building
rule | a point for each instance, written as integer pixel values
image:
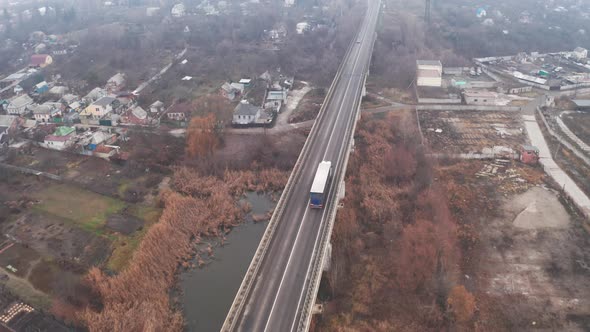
(559, 71)
(480, 97)
(429, 73)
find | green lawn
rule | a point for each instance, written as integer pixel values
(85, 208)
(90, 211)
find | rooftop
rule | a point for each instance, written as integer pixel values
(42, 109)
(64, 131)
(117, 79)
(428, 63)
(39, 59)
(104, 101)
(21, 101)
(245, 108)
(480, 93)
(139, 113)
(7, 120)
(429, 73)
(157, 103)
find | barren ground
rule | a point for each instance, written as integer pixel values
(468, 131)
(526, 255)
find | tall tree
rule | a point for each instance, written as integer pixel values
(201, 138)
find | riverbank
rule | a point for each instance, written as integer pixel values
(223, 263)
(196, 207)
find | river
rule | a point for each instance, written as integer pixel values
(208, 292)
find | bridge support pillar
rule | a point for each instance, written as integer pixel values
(341, 190)
(328, 258)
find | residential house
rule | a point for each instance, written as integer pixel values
(239, 87)
(126, 98)
(429, 73)
(157, 107)
(275, 99)
(245, 81)
(19, 105)
(58, 90)
(105, 151)
(115, 83)
(69, 99)
(41, 60)
(8, 125)
(228, 91)
(103, 137)
(15, 77)
(135, 116)
(62, 138)
(99, 108)
(46, 112)
(95, 94)
(41, 87)
(71, 117)
(246, 113)
(179, 112)
(75, 106)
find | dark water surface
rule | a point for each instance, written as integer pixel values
(208, 292)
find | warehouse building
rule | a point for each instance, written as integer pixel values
(481, 97)
(429, 73)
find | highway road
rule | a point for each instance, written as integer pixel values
(280, 286)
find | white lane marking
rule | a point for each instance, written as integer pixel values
(286, 268)
(364, 34)
(307, 208)
(309, 265)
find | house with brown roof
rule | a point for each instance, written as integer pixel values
(41, 60)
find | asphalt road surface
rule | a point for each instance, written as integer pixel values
(279, 291)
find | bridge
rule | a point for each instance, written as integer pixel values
(279, 290)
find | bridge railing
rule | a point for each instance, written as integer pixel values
(248, 281)
(319, 255)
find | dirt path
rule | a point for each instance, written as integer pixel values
(26, 290)
(293, 100)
